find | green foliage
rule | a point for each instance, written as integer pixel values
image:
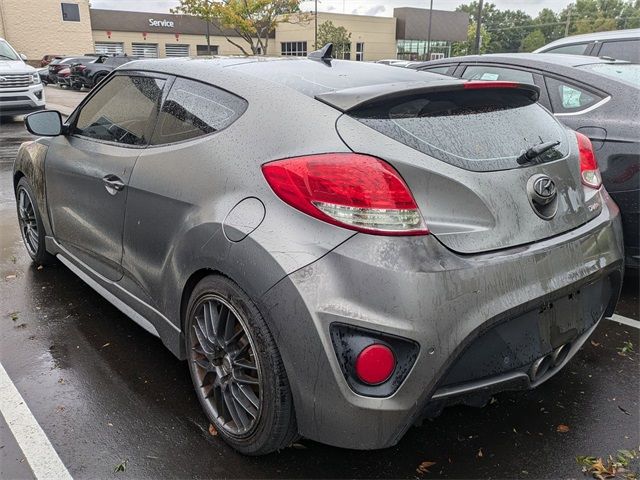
(514, 30)
(252, 20)
(533, 41)
(339, 36)
(468, 47)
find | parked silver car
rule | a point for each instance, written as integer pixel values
(338, 249)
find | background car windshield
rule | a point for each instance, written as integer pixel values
(627, 72)
(6, 52)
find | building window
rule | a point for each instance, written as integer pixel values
(204, 50)
(342, 51)
(147, 50)
(417, 49)
(110, 48)
(70, 12)
(295, 49)
(176, 50)
(359, 51)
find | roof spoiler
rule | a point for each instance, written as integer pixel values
(354, 98)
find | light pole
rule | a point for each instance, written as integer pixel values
(315, 20)
(478, 23)
(429, 32)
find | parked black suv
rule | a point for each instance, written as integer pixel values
(90, 74)
(59, 64)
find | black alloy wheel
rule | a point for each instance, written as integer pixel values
(224, 362)
(236, 368)
(28, 221)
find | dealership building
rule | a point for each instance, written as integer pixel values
(40, 27)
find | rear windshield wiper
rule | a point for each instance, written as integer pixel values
(529, 156)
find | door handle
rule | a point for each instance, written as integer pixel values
(112, 183)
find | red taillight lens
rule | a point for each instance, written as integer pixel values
(351, 190)
(375, 364)
(589, 171)
(479, 84)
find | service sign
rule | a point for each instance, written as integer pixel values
(161, 23)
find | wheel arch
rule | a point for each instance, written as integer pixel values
(29, 164)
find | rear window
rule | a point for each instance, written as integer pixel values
(481, 130)
(627, 72)
(491, 73)
(575, 49)
(622, 50)
(193, 109)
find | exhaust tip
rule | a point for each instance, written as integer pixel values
(560, 354)
(540, 367)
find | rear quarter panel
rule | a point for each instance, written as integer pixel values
(180, 194)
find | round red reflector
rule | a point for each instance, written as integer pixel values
(375, 364)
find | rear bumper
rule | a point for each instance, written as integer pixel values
(417, 289)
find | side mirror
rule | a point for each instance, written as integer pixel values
(47, 123)
(23, 57)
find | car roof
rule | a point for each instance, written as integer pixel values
(536, 60)
(593, 37)
(310, 77)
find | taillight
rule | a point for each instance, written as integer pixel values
(351, 190)
(480, 84)
(589, 171)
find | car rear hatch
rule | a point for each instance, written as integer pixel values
(459, 146)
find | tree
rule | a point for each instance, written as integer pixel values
(339, 36)
(504, 26)
(252, 20)
(533, 41)
(549, 24)
(588, 16)
(467, 47)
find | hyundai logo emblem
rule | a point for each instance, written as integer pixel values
(3, 79)
(543, 196)
(544, 187)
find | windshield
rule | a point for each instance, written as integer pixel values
(6, 52)
(627, 72)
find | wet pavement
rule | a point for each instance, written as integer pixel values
(107, 393)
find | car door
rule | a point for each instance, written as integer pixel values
(87, 170)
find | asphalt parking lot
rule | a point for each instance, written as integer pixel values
(108, 394)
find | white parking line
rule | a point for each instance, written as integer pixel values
(630, 322)
(36, 447)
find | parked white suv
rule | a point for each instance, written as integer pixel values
(21, 90)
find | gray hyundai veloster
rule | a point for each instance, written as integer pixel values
(337, 249)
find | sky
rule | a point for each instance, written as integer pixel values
(362, 7)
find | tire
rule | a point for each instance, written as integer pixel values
(31, 226)
(97, 79)
(264, 419)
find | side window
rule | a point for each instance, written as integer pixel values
(122, 111)
(622, 50)
(193, 109)
(574, 49)
(443, 69)
(486, 72)
(568, 98)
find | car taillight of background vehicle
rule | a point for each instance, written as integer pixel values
(482, 84)
(589, 171)
(351, 190)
